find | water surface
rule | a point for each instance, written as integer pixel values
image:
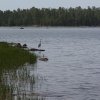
(73, 69)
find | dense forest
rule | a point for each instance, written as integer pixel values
(51, 17)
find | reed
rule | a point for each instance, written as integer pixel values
(11, 58)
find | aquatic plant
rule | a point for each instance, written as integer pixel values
(12, 57)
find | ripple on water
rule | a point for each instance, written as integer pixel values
(72, 72)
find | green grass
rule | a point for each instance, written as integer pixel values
(12, 57)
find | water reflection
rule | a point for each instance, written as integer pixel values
(19, 84)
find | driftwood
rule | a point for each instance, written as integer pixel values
(34, 49)
(19, 45)
(43, 59)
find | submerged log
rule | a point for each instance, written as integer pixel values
(34, 49)
(43, 59)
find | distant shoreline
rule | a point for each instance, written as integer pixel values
(61, 17)
(50, 27)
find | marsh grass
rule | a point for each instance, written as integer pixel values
(5, 93)
(12, 57)
(15, 83)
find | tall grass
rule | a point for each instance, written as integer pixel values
(12, 57)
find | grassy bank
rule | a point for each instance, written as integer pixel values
(12, 57)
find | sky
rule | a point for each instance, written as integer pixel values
(24, 4)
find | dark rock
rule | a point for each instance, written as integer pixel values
(24, 45)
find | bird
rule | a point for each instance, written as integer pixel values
(39, 45)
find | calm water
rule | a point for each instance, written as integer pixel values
(73, 69)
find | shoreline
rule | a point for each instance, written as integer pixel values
(49, 27)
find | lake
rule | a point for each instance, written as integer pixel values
(72, 71)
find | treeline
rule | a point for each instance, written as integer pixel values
(51, 17)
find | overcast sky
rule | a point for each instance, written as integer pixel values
(14, 4)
